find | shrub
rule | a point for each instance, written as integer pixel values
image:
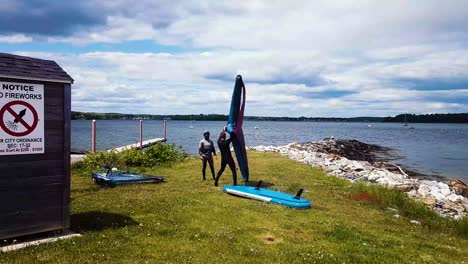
(154, 155)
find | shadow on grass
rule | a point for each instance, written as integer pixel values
(79, 193)
(255, 183)
(98, 221)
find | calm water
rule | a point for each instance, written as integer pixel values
(438, 149)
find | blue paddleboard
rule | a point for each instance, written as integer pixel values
(269, 196)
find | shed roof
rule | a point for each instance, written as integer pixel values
(27, 68)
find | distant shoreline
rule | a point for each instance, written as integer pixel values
(459, 118)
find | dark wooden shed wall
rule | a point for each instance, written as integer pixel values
(35, 188)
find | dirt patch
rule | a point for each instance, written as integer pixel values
(364, 196)
(270, 239)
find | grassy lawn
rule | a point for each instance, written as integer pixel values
(187, 220)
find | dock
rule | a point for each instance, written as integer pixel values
(138, 145)
(144, 144)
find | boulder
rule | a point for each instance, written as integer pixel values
(459, 216)
(423, 190)
(442, 185)
(458, 208)
(454, 198)
(429, 201)
(336, 172)
(459, 187)
(464, 202)
(356, 166)
(405, 187)
(432, 183)
(438, 196)
(412, 193)
(445, 191)
(374, 176)
(447, 204)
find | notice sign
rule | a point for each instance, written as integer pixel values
(21, 118)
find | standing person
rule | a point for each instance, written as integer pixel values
(206, 150)
(226, 157)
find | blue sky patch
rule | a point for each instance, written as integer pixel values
(432, 84)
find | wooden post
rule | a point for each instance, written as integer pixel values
(141, 134)
(93, 136)
(165, 126)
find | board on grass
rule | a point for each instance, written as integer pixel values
(109, 177)
(270, 196)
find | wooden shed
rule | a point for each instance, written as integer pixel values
(35, 110)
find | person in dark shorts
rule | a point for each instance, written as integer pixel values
(226, 157)
(207, 150)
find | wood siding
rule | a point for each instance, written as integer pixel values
(35, 188)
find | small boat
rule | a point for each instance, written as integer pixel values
(256, 127)
(191, 127)
(112, 177)
(369, 125)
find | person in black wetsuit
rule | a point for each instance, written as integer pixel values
(226, 157)
(206, 150)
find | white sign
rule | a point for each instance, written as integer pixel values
(21, 118)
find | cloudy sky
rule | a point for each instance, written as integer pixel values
(298, 58)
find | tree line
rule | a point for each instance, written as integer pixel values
(411, 118)
(429, 118)
(213, 117)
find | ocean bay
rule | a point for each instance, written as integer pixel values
(430, 148)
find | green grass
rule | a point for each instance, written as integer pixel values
(187, 220)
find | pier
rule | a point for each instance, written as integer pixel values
(141, 144)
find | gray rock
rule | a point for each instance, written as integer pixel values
(454, 198)
(429, 201)
(442, 185)
(444, 191)
(464, 202)
(458, 208)
(438, 196)
(424, 190)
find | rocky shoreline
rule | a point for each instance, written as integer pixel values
(357, 161)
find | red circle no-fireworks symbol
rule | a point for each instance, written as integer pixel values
(10, 126)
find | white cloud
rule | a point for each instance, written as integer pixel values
(298, 25)
(311, 58)
(178, 84)
(16, 38)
